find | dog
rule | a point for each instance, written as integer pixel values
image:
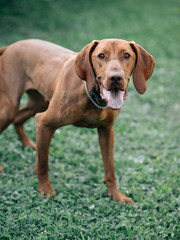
(86, 89)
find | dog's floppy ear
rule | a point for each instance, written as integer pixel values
(83, 64)
(145, 64)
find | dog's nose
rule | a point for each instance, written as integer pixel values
(115, 77)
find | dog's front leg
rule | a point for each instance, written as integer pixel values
(106, 141)
(44, 134)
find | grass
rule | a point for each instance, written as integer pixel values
(147, 131)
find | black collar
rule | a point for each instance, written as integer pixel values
(97, 95)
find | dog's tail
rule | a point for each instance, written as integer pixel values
(3, 49)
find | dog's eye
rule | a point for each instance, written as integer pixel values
(126, 55)
(101, 55)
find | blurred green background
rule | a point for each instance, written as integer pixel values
(154, 24)
(147, 142)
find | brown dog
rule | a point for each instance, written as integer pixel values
(52, 77)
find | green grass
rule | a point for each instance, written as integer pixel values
(147, 142)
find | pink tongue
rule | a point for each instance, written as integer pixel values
(114, 98)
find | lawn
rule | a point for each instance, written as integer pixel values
(147, 131)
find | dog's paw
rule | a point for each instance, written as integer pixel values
(117, 196)
(46, 190)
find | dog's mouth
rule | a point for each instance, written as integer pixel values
(114, 98)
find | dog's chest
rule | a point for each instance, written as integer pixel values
(91, 120)
(90, 123)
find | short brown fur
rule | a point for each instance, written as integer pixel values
(53, 78)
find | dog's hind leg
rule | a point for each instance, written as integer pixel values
(7, 113)
(35, 104)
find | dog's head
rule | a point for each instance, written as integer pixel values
(109, 63)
